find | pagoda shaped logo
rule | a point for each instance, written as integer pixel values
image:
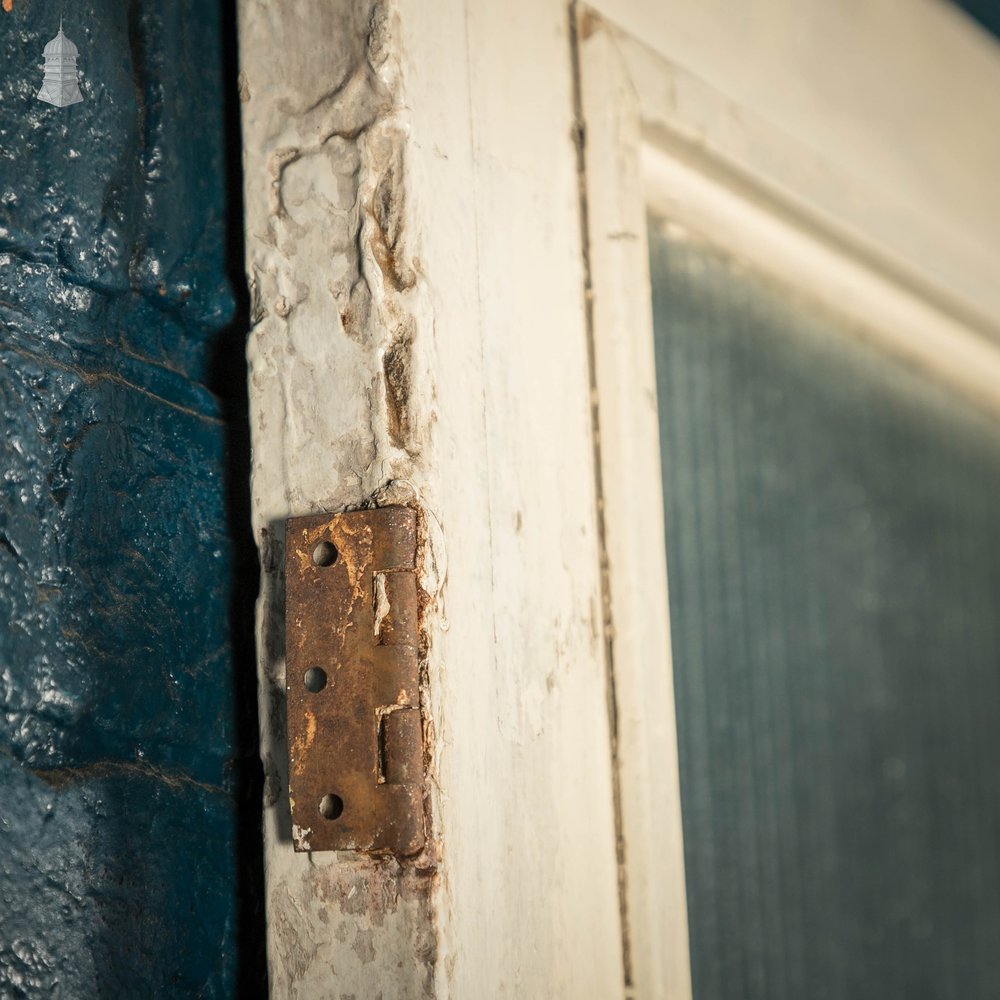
(60, 86)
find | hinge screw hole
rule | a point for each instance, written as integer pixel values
(315, 679)
(331, 806)
(325, 554)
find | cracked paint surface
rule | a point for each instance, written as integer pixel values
(336, 302)
(117, 741)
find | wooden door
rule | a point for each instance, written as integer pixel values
(447, 252)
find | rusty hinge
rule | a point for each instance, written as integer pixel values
(355, 752)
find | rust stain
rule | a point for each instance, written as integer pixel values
(356, 756)
(387, 212)
(590, 23)
(396, 363)
(310, 730)
(300, 745)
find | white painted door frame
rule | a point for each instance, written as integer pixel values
(414, 251)
(422, 333)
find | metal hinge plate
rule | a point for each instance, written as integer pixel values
(355, 750)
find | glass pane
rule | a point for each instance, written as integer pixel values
(833, 539)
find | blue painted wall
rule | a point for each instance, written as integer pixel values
(129, 852)
(985, 12)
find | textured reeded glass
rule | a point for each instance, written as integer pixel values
(833, 550)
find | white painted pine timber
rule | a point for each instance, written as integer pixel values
(912, 275)
(530, 905)
(899, 320)
(719, 169)
(633, 515)
(874, 114)
(322, 134)
(411, 197)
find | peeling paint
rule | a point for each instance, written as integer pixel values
(335, 288)
(396, 364)
(381, 603)
(386, 208)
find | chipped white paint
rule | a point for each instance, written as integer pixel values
(405, 343)
(332, 298)
(381, 600)
(300, 836)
